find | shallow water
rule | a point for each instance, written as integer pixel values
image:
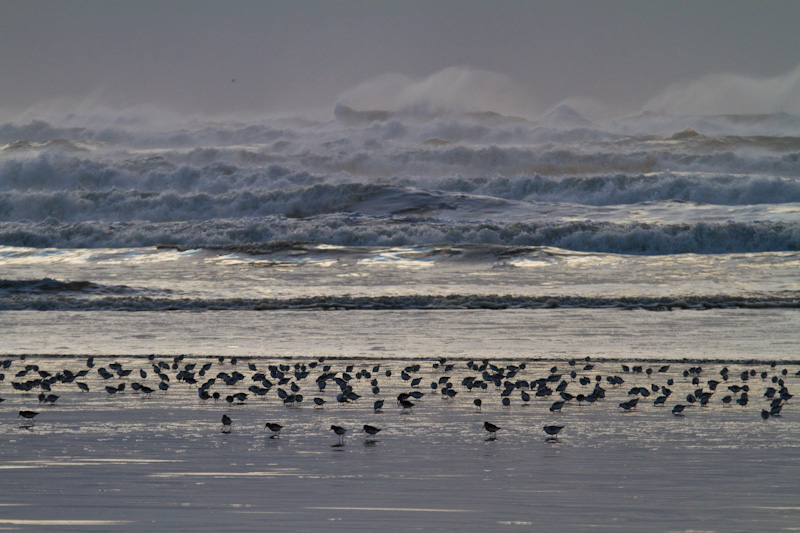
(722, 334)
(132, 461)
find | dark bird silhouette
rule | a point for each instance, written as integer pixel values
(377, 406)
(477, 402)
(406, 405)
(28, 415)
(678, 409)
(340, 431)
(630, 404)
(492, 429)
(552, 431)
(226, 424)
(371, 431)
(742, 400)
(274, 428)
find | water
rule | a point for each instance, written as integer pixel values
(388, 238)
(160, 459)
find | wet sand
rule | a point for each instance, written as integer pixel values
(97, 462)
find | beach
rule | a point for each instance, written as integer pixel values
(645, 252)
(128, 460)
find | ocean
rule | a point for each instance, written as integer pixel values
(388, 239)
(449, 215)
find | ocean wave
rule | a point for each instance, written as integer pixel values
(157, 190)
(630, 189)
(414, 302)
(51, 287)
(406, 178)
(414, 124)
(360, 230)
(167, 206)
(467, 144)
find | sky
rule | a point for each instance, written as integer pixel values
(297, 56)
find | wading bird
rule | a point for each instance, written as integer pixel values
(340, 431)
(28, 415)
(371, 431)
(552, 431)
(274, 428)
(492, 429)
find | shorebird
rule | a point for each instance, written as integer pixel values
(477, 402)
(274, 428)
(371, 431)
(28, 415)
(407, 406)
(377, 406)
(340, 431)
(492, 429)
(678, 409)
(49, 398)
(553, 431)
(226, 424)
(742, 400)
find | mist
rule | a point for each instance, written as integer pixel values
(454, 89)
(243, 59)
(722, 93)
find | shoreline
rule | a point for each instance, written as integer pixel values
(162, 460)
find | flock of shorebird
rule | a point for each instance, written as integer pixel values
(372, 431)
(348, 384)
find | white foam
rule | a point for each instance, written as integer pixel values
(718, 94)
(456, 89)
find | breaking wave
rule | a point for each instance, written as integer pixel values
(408, 178)
(51, 287)
(427, 302)
(360, 230)
(156, 190)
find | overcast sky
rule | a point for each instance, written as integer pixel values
(293, 55)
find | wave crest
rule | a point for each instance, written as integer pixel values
(353, 230)
(427, 302)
